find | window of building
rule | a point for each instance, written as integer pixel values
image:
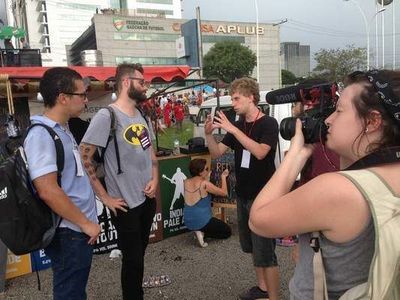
(77, 6)
(151, 60)
(134, 36)
(217, 38)
(156, 1)
(155, 11)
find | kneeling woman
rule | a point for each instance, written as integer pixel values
(197, 211)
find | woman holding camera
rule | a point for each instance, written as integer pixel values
(364, 131)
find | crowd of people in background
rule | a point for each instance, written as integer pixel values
(170, 109)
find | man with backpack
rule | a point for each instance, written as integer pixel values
(70, 197)
(131, 172)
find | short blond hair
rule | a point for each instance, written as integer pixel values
(247, 87)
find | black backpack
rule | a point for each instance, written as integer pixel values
(26, 222)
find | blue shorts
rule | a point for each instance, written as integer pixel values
(263, 249)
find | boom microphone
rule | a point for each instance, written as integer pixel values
(285, 95)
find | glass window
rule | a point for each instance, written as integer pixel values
(156, 1)
(217, 38)
(264, 108)
(151, 60)
(229, 113)
(202, 116)
(155, 11)
(134, 36)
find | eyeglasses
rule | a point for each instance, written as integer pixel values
(142, 82)
(83, 95)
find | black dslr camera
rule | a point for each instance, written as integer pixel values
(319, 102)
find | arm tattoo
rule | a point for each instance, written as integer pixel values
(87, 162)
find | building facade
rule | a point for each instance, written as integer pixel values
(152, 41)
(296, 58)
(52, 25)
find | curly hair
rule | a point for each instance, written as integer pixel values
(247, 87)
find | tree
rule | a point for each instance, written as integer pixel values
(229, 60)
(288, 77)
(335, 64)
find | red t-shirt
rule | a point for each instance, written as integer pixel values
(318, 163)
(179, 112)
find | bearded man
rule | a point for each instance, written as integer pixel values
(131, 185)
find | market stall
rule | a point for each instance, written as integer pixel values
(24, 83)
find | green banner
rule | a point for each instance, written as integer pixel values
(172, 174)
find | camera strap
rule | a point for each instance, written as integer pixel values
(382, 156)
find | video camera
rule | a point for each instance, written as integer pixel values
(319, 102)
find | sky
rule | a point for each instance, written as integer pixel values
(327, 24)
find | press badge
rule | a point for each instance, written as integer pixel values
(144, 138)
(245, 159)
(78, 163)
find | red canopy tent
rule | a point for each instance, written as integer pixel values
(151, 73)
(25, 80)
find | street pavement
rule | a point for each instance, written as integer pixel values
(219, 271)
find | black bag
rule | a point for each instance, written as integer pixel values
(26, 222)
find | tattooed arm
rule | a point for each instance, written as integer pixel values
(87, 152)
(151, 187)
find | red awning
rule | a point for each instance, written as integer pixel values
(153, 73)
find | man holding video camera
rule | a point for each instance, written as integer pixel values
(253, 138)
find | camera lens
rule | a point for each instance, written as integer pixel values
(288, 128)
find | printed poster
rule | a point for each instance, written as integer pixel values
(18, 265)
(172, 174)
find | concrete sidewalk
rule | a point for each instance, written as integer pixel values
(220, 271)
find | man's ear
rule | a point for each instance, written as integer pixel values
(62, 99)
(374, 120)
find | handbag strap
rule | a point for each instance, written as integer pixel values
(320, 287)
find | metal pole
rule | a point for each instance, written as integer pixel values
(376, 39)
(367, 30)
(383, 38)
(394, 35)
(257, 43)
(200, 41)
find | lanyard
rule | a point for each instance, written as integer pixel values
(252, 125)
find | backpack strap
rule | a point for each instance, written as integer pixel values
(60, 157)
(112, 135)
(320, 287)
(143, 115)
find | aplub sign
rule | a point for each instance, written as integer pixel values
(226, 29)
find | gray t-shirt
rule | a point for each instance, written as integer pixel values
(346, 265)
(134, 142)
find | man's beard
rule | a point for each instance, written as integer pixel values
(137, 96)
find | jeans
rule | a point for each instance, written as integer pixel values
(71, 258)
(133, 228)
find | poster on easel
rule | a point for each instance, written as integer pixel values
(173, 172)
